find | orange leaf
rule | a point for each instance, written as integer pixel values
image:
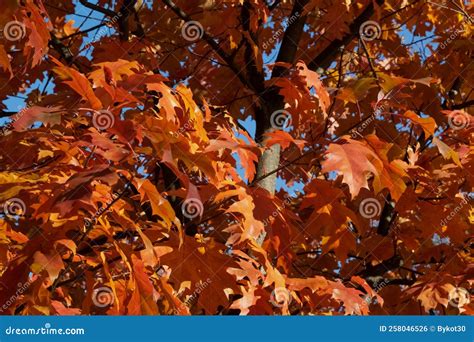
(78, 82)
(284, 139)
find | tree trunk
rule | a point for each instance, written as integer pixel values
(271, 101)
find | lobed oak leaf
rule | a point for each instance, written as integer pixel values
(351, 298)
(39, 33)
(313, 81)
(159, 205)
(355, 161)
(205, 260)
(69, 244)
(78, 82)
(196, 118)
(248, 300)
(113, 71)
(427, 124)
(30, 115)
(50, 262)
(331, 224)
(147, 303)
(316, 283)
(284, 139)
(168, 100)
(247, 269)
(370, 292)
(393, 173)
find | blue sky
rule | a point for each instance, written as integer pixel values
(16, 103)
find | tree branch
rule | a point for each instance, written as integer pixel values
(271, 101)
(97, 8)
(462, 105)
(84, 31)
(274, 5)
(325, 57)
(212, 43)
(254, 76)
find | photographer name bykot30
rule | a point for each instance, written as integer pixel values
(422, 328)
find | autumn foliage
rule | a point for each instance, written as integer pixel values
(236, 157)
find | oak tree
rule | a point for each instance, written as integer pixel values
(236, 157)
